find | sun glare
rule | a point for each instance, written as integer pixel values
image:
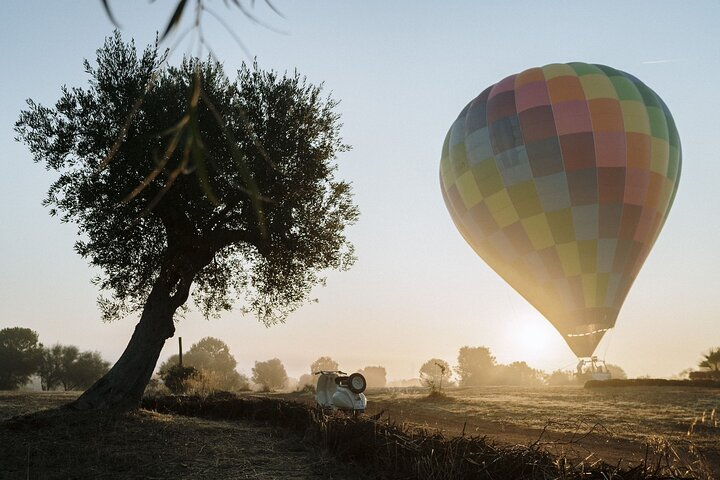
(534, 338)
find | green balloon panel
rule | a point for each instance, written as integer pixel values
(561, 179)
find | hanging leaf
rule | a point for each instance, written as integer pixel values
(106, 6)
(175, 19)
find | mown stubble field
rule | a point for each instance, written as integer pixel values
(78, 445)
(611, 424)
(614, 425)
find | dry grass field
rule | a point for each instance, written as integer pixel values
(613, 425)
(636, 413)
(609, 424)
(148, 445)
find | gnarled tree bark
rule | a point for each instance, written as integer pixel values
(123, 386)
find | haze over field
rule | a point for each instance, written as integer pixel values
(402, 72)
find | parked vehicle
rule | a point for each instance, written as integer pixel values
(339, 391)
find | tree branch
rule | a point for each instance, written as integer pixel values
(222, 238)
(182, 292)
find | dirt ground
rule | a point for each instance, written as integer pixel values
(145, 444)
(585, 444)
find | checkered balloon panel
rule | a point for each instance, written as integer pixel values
(561, 179)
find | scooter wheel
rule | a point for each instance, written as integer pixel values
(357, 383)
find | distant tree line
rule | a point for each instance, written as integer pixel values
(59, 367)
(208, 366)
(477, 366)
(375, 375)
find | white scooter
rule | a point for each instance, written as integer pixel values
(338, 391)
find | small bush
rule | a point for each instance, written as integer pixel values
(155, 388)
(709, 375)
(178, 378)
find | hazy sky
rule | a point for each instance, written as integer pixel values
(403, 70)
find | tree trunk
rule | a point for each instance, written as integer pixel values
(123, 386)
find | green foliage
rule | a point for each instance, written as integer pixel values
(324, 363)
(376, 377)
(434, 373)
(212, 359)
(65, 366)
(269, 375)
(20, 356)
(475, 366)
(711, 360)
(181, 175)
(199, 10)
(53, 362)
(176, 378)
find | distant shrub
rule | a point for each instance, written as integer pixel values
(156, 388)
(561, 377)
(309, 389)
(435, 373)
(177, 378)
(708, 375)
(516, 373)
(376, 377)
(212, 359)
(306, 383)
(616, 371)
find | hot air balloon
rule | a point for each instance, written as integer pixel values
(561, 178)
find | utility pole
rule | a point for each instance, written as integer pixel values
(180, 349)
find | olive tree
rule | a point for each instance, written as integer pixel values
(20, 356)
(67, 367)
(324, 363)
(269, 375)
(475, 366)
(221, 193)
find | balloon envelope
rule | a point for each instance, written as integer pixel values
(561, 178)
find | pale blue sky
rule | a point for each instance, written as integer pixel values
(403, 70)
